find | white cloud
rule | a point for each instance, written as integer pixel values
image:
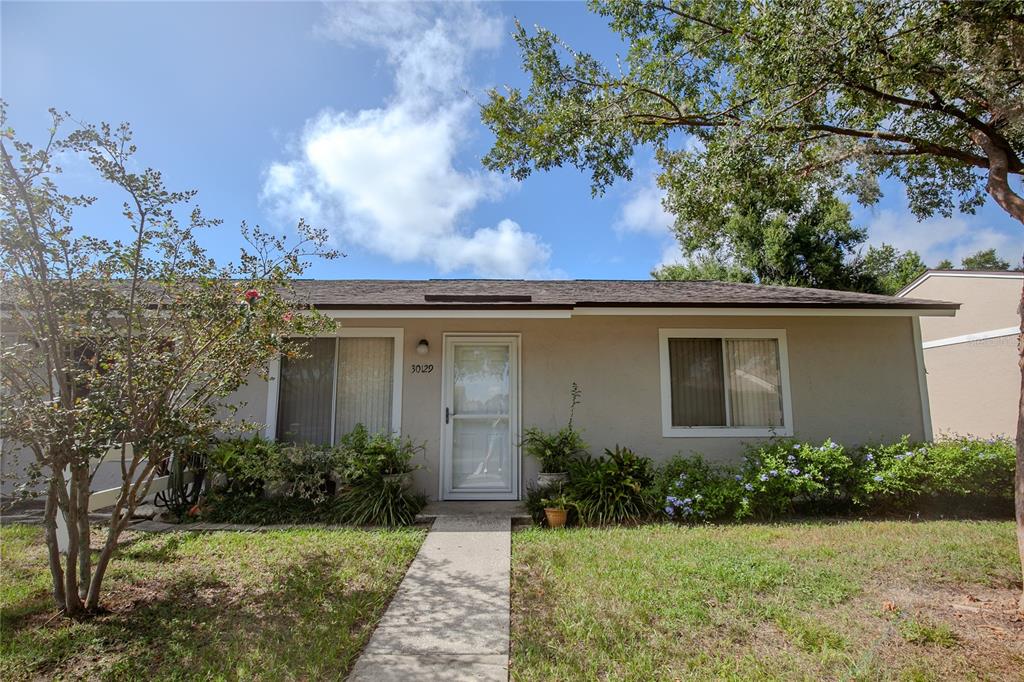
(671, 254)
(387, 179)
(938, 238)
(643, 212)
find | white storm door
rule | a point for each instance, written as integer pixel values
(479, 452)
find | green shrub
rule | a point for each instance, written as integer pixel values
(972, 468)
(227, 507)
(694, 491)
(786, 476)
(364, 456)
(253, 465)
(246, 463)
(301, 480)
(614, 488)
(954, 475)
(894, 476)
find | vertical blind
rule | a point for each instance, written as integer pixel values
(337, 384)
(304, 400)
(365, 384)
(698, 396)
(725, 382)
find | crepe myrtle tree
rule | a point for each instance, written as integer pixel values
(835, 92)
(132, 343)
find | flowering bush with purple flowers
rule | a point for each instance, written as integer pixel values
(953, 474)
(786, 477)
(694, 491)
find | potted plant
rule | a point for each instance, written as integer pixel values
(554, 450)
(556, 510)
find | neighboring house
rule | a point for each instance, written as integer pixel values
(463, 366)
(971, 359)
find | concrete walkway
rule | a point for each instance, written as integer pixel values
(449, 619)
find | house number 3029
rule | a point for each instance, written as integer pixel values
(422, 369)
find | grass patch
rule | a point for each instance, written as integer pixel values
(818, 600)
(295, 604)
(924, 632)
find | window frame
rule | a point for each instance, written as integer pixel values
(396, 333)
(668, 430)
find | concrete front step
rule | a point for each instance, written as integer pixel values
(513, 510)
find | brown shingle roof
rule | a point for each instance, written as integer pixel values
(565, 294)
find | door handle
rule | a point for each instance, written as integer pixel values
(447, 415)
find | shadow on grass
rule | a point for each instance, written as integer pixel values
(305, 621)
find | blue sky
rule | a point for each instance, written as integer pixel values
(363, 119)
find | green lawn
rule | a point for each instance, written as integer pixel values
(853, 600)
(296, 604)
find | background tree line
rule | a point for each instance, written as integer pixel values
(768, 228)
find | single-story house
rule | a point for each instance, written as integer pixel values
(463, 366)
(971, 359)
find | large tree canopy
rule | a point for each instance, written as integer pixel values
(835, 92)
(928, 92)
(771, 228)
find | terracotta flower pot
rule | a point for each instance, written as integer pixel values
(556, 517)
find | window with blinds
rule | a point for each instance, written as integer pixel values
(335, 385)
(719, 382)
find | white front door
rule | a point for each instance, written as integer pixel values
(480, 442)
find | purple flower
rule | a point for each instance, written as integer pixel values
(878, 478)
(796, 447)
(869, 457)
(773, 473)
(738, 477)
(763, 477)
(688, 501)
(748, 487)
(670, 511)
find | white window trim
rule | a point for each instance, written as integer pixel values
(396, 333)
(670, 431)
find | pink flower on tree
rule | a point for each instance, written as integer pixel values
(251, 295)
(287, 317)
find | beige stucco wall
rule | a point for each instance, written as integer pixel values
(986, 303)
(853, 379)
(973, 386)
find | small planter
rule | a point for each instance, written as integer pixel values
(546, 480)
(556, 517)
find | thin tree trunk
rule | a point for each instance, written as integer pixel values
(81, 479)
(53, 551)
(93, 599)
(72, 602)
(121, 516)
